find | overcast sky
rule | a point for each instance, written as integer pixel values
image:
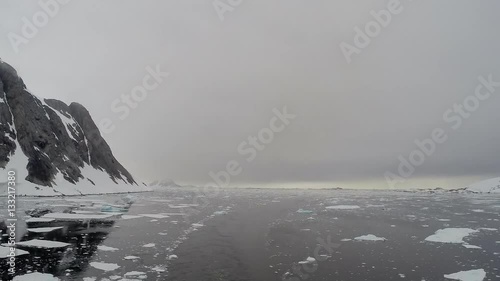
(353, 120)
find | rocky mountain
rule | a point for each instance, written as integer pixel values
(164, 183)
(54, 148)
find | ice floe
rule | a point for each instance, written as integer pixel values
(42, 244)
(36, 276)
(104, 266)
(155, 216)
(150, 245)
(131, 258)
(68, 216)
(106, 248)
(343, 207)
(471, 275)
(136, 274)
(128, 217)
(309, 260)
(471, 246)
(5, 252)
(369, 237)
(488, 229)
(159, 268)
(43, 229)
(37, 220)
(451, 235)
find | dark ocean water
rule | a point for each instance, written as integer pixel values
(185, 234)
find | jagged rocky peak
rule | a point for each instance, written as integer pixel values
(58, 143)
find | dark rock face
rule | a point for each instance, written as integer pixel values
(100, 153)
(7, 135)
(54, 136)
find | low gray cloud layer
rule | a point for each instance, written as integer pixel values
(353, 120)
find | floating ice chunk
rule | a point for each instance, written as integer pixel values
(155, 216)
(172, 257)
(106, 248)
(181, 206)
(302, 211)
(159, 268)
(113, 209)
(163, 234)
(131, 258)
(35, 220)
(89, 278)
(67, 216)
(44, 229)
(369, 237)
(104, 266)
(308, 261)
(343, 207)
(451, 235)
(36, 276)
(346, 240)
(42, 244)
(220, 213)
(5, 252)
(150, 245)
(471, 275)
(135, 274)
(128, 217)
(471, 246)
(488, 229)
(196, 225)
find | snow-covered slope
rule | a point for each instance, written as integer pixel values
(487, 186)
(53, 148)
